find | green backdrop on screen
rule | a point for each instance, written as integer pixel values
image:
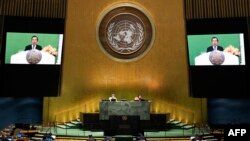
(198, 44)
(16, 42)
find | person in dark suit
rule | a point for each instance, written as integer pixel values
(215, 45)
(33, 45)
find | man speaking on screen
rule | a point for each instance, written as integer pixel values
(33, 45)
(215, 45)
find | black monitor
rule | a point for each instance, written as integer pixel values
(34, 72)
(218, 57)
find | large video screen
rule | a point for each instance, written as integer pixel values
(218, 57)
(216, 49)
(33, 48)
(31, 56)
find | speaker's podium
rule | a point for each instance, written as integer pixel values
(124, 116)
(226, 58)
(123, 125)
(21, 58)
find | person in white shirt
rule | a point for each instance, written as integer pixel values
(138, 98)
(112, 98)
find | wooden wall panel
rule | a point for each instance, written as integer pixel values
(200, 9)
(34, 8)
(89, 75)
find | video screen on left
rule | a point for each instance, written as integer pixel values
(33, 48)
(31, 56)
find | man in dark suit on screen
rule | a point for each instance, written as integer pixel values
(33, 45)
(215, 45)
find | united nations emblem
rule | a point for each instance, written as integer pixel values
(125, 37)
(216, 57)
(33, 56)
(125, 33)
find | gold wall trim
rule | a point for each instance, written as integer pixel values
(34, 8)
(200, 9)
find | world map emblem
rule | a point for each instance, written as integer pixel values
(125, 37)
(125, 33)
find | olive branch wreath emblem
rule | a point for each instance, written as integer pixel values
(114, 44)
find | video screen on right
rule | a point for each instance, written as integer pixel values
(218, 57)
(216, 49)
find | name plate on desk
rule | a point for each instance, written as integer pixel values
(132, 108)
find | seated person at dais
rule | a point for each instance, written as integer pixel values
(138, 98)
(112, 98)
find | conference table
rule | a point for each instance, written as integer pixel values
(124, 118)
(128, 108)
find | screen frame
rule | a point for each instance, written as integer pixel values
(201, 77)
(20, 75)
(31, 25)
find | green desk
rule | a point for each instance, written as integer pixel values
(129, 108)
